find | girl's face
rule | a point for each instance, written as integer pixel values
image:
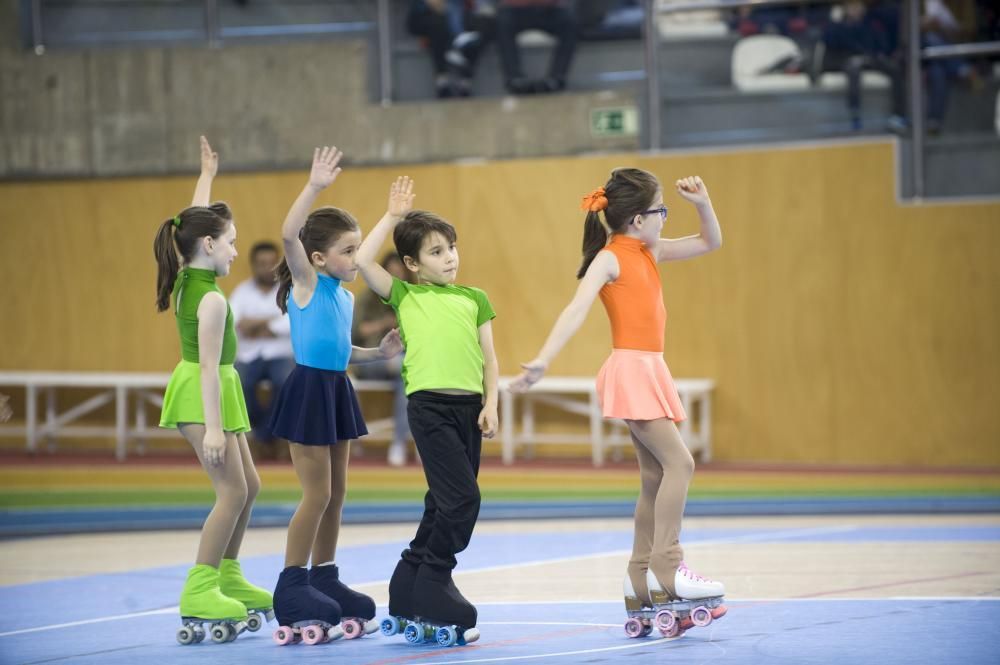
(649, 225)
(221, 251)
(340, 261)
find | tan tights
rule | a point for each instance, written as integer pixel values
(236, 485)
(665, 469)
(315, 526)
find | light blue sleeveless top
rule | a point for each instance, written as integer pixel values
(321, 331)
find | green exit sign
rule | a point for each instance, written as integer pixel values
(618, 121)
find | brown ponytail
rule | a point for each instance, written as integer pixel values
(322, 229)
(629, 192)
(177, 241)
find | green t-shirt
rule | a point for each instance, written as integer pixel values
(191, 286)
(439, 326)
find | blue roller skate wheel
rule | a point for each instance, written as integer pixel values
(446, 636)
(413, 634)
(390, 626)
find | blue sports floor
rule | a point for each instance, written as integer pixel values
(844, 592)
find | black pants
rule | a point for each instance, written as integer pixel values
(446, 430)
(559, 22)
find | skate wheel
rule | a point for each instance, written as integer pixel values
(673, 631)
(413, 634)
(665, 620)
(633, 627)
(284, 635)
(186, 635)
(334, 633)
(390, 626)
(352, 629)
(254, 622)
(370, 626)
(199, 633)
(446, 636)
(701, 617)
(220, 633)
(470, 635)
(313, 635)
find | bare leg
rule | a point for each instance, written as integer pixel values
(663, 442)
(253, 487)
(230, 485)
(325, 548)
(312, 466)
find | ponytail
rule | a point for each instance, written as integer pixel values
(595, 237)
(627, 193)
(176, 241)
(167, 265)
(284, 275)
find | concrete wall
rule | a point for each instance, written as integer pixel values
(111, 112)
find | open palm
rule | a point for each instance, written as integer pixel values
(325, 166)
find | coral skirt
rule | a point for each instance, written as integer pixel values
(636, 385)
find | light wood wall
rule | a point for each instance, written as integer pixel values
(839, 325)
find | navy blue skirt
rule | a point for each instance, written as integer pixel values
(317, 407)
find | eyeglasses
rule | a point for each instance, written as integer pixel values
(661, 211)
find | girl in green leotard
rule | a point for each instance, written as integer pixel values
(204, 401)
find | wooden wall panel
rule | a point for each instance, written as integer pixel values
(839, 325)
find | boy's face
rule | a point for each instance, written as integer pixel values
(437, 262)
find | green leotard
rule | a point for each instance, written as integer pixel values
(182, 402)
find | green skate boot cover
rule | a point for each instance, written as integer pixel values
(233, 584)
(203, 599)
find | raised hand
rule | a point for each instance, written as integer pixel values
(325, 167)
(391, 345)
(401, 197)
(533, 372)
(693, 189)
(209, 159)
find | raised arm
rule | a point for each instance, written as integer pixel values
(400, 202)
(491, 372)
(209, 167)
(603, 269)
(324, 171)
(709, 237)
(211, 325)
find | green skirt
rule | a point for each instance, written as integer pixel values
(182, 401)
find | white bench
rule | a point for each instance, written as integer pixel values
(147, 388)
(564, 391)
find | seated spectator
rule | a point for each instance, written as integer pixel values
(938, 27)
(867, 39)
(456, 32)
(264, 352)
(555, 17)
(372, 320)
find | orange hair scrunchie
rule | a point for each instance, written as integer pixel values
(595, 201)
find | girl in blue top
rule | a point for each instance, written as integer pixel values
(317, 409)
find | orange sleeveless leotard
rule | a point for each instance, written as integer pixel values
(634, 301)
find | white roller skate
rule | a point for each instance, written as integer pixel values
(700, 603)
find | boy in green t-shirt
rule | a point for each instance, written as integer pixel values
(450, 372)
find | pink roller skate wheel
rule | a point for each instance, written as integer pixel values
(633, 627)
(665, 620)
(352, 629)
(284, 635)
(700, 616)
(313, 635)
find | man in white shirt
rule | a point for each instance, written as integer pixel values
(264, 352)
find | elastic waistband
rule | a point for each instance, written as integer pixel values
(197, 364)
(444, 398)
(337, 372)
(638, 352)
